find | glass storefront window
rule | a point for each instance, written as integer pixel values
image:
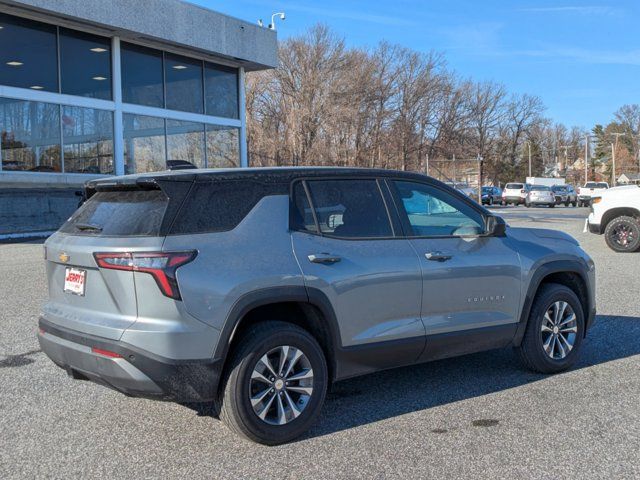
(141, 75)
(144, 145)
(185, 141)
(223, 146)
(28, 54)
(221, 90)
(87, 138)
(30, 136)
(183, 78)
(85, 64)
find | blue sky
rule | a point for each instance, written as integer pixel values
(581, 57)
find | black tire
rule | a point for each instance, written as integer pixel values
(234, 403)
(527, 204)
(490, 200)
(623, 225)
(531, 350)
(552, 205)
(566, 204)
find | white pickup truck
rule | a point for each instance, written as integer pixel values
(589, 191)
(616, 214)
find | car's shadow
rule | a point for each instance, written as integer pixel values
(382, 395)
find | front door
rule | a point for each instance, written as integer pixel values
(471, 282)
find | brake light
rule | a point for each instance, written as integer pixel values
(521, 191)
(161, 265)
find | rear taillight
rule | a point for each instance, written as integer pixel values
(521, 191)
(161, 265)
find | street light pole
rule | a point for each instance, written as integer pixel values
(586, 158)
(529, 145)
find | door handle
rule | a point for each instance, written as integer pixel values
(325, 258)
(437, 256)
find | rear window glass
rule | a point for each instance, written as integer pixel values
(120, 213)
(590, 185)
(540, 187)
(602, 185)
(514, 186)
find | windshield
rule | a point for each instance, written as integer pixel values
(543, 188)
(559, 188)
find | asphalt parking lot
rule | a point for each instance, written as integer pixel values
(481, 415)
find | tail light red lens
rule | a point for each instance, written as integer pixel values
(521, 191)
(161, 265)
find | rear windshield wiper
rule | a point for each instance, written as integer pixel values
(88, 226)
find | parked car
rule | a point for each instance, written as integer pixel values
(565, 194)
(491, 195)
(299, 277)
(616, 214)
(590, 190)
(514, 193)
(539, 195)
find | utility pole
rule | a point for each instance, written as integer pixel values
(480, 167)
(427, 165)
(529, 145)
(614, 149)
(586, 158)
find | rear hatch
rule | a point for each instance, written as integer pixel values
(120, 220)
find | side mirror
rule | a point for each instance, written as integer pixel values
(495, 226)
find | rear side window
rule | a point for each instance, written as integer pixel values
(514, 186)
(218, 206)
(119, 214)
(344, 208)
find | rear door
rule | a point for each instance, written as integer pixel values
(101, 301)
(471, 282)
(348, 249)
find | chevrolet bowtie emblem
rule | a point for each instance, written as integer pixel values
(64, 258)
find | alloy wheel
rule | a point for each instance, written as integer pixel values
(559, 330)
(623, 235)
(281, 385)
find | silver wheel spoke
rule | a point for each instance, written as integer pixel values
(560, 348)
(546, 329)
(547, 345)
(573, 329)
(292, 405)
(562, 339)
(308, 373)
(548, 318)
(263, 413)
(299, 389)
(284, 353)
(282, 417)
(267, 363)
(569, 319)
(296, 356)
(258, 398)
(256, 375)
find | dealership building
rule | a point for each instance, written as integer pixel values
(90, 88)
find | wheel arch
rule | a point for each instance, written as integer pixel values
(570, 273)
(310, 309)
(618, 212)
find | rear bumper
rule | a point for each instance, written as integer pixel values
(512, 199)
(133, 372)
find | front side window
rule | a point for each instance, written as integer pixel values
(432, 212)
(85, 64)
(28, 54)
(348, 209)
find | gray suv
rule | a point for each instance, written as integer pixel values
(256, 289)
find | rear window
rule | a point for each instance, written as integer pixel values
(559, 188)
(602, 185)
(590, 185)
(540, 187)
(514, 186)
(119, 214)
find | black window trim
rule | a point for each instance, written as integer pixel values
(318, 232)
(404, 219)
